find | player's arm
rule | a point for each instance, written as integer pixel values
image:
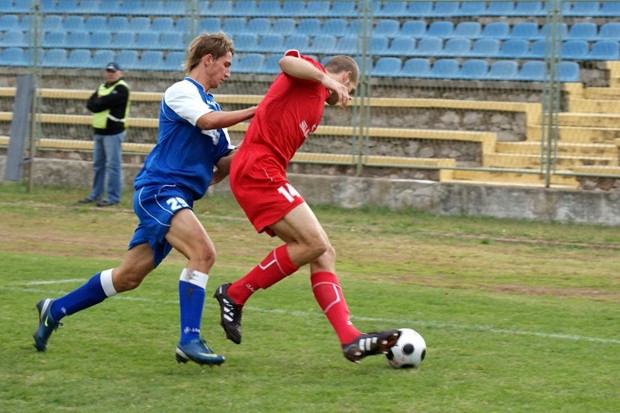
(222, 168)
(224, 119)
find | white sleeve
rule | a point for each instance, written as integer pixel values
(184, 99)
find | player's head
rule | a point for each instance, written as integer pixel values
(210, 54)
(345, 70)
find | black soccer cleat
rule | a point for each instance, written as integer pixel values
(230, 314)
(47, 325)
(370, 344)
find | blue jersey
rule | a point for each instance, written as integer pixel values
(184, 154)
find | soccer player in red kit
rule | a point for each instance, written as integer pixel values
(290, 111)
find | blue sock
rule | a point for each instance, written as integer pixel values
(192, 285)
(94, 291)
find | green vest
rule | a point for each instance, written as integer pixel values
(100, 119)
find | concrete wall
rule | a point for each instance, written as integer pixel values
(538, 204)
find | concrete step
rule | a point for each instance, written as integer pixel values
(512, 179)
(563, 148)
(589, 119)
(521, 161)
(577, 134)
(594, 105)
(602, 93)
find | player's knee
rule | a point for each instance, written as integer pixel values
(320, 248)
(126, 282)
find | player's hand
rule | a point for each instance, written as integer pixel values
(340, 93)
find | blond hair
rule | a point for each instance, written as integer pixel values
(215, 44)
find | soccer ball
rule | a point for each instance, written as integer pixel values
(409, 350)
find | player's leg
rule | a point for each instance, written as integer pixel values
(188, 236)
(137, 264)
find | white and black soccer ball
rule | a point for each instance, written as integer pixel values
(409, 351)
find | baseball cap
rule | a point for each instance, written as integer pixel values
(113, 67)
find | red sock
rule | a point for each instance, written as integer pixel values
(276, 266)
(328, 294)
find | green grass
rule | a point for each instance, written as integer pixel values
(518, 316)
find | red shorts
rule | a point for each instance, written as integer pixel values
(262, 190)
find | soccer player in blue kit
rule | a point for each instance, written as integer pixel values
(193, 150)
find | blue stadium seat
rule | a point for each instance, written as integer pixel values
(413, 28)
(500, 8)
(22, 6)
(152, 60)
(444, 69)
(127, 59)
(347, 45)
(162, 24)
(417, 9)
(14, 56)
(171, 41)
(271, 64)
(440, 28)
(245, 8)
(503, 70)
(118, 23)
(469, 30)
(387, 67)
(378, 45)
(139, 24)
(309, 27)
(259, 25)
(123, 40)
(525, 30)
(317, 8)
(583, 31)
(234, 25)
(9, 22)
(297, 41)
(527, 8)
(391, 9)
(484, 48)
(55, 58)
(532, 71)
(269, 8)
(583, 9)
(79, 58)
(456, 47)
(388, 28)
(322, 43)
(284, 26)
(146, 40)
(445, 9)
(609, 9)
(416, 67)
(209, 24)
(561, 31)
(429, 46)
(609, 30)
(73, 22)
(473, 69)
(218, 8)
(246, 42)
(96, 23)
(295, 8)
(338, 8)
(271, 43)
(132, 7)
(401, 46)
(78, 39)
(52, 22)
(101, 57)
(173, 61)
(575, 49)
(472, 8)
(100, 39)
(88, 7)
(605, 49)
(55, 39)
(496, 30)
(336, 27)
(569, 72)
(14, 38)
(248, 63)
(538, 49)
(513, 48)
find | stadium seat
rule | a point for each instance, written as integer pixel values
(561, 31)
(259, 25)
(472, 8)
(284, 26)
(131, 7)
(538, 49)
(609, 9)
(429, 46)
(297, 41)
(347, 45)
(73, 23)
(127, 59)
(219, 8)
(147, 40)
(503, 70)
(469, 30)
(416, 67)
(14, 38)
(62, 6)
(605, 49)
(100, 39)
(387, 67)
(336, 27)
(249, 63)
(569, 72)
(118, 23)
(417, 9)
(513, 48)
(269, 8)
(532, 71)
(101, 58)
(390, 9)
(500, 8)
(270, 43)
(444, 69)
(55, 39)
(55, 58)
(78, 39)
(583, 31)
(234, 25)
(388, 28)
(525, 30)
(487, 48)
(173, 61)
(9, 22)
(445, 9)
(22, 6)
(413, 28)
(162, 24)
(378, 45)
(96, 23)
(338, 8)
(575, 49)
(271, 64)
(209, 24)
(246, 42)
(245, 8)
(171, 41)
(79, 58)
(14, 56)
(583, 9)
(88, 7)
(322, 43)
(610, 30)
(139, 24)
(496, 30)
(296, 8)
(152, 60)
(440, 28)
(309, 27)
(184, 24)
(51, 22)
(456, 47)
(473, 69)
(122, 40)
(401, 46)
(528, 8)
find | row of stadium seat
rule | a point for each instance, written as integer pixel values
(469, 69)
(333, 8)
(326, 44)
(314, 26)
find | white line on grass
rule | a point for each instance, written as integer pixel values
(305, 314)
(51, 282)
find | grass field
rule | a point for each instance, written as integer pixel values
(518, 316)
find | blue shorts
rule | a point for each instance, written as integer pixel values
(155, 206)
